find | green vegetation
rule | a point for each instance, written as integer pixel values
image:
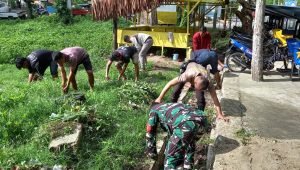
(113, 115)
(244, 135)
(113, 139)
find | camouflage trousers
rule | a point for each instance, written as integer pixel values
(181, 147)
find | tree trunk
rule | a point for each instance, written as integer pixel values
(257, 55)
(115, 33)
(29, 8)
(225, 17)
(245, 15)
(202, 12)
(69, 4)
(153, 17)
(215, 18)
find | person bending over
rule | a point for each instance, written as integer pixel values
(143, 43)
(198, 77)
(122, 57)
(182, 123)
(74, 56)
(37, 62)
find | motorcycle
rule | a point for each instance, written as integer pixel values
(239, 54)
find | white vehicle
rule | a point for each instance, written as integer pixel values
(6, 12)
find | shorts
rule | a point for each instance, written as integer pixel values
(134, 59)
(86, 63)
(53, 69)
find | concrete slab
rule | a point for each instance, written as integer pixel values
(69, 139)
(272, 107)
(270, 110)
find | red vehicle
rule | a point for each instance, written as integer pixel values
(81, 9)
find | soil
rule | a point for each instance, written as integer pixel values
(261, 153)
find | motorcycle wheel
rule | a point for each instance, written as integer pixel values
(232, 64)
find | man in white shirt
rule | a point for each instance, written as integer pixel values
(143, 43)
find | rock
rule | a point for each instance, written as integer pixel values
(71, 140)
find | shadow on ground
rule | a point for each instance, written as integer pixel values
(224, 145)
(233, 107)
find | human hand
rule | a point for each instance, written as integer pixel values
(222, 117)
(153, 156)
(158, 100)
(66, 89)
(218, 87)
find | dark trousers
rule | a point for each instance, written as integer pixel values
(199, 95)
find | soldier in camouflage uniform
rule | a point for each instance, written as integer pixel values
(182, 123)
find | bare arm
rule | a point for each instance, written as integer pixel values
(220, 114)
(71, 77)
(108, 64)
(217, 77)
(63, 74)
(30, 77)
(123, 71)
(170, 84)
(136, 68)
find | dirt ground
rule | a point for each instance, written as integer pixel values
(267, 110)
(261, 154)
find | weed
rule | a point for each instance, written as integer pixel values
(244, 135)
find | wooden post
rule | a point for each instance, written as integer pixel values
(225, 17)
(115, 33)
(215, 18)
(188, 18)
(257, 54)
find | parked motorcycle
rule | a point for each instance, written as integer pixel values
(239, 54)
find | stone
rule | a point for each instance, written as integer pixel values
(71, 140)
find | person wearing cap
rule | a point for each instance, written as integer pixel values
(122, 57)
(184, 126)
(202, 39)
(143, 42)
(198, 77)
(207, 57)
(74, 56)
(37, 62)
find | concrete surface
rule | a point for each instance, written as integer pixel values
(69, 139)
(270, 111)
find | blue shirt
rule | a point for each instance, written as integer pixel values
(206, 57)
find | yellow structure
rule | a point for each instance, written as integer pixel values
(170, 36)
(277, 33)
(166, 17)
(163, 36)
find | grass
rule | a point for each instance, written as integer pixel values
(114, 139)
(244, 135)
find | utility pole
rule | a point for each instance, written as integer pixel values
(257, 53)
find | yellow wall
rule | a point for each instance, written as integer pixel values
(166, 17)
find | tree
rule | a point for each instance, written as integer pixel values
(245, 15)
(29, 8)
(257, 55)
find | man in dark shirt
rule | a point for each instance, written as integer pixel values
(206, 57)
(122, 56)
(37, 62)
